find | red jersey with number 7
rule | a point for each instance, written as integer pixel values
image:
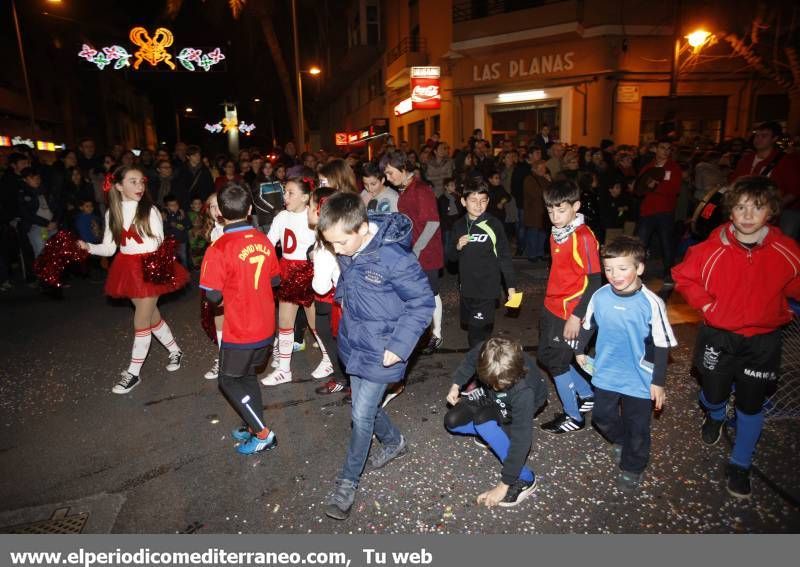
(241, 264)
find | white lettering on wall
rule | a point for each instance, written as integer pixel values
(519, 68)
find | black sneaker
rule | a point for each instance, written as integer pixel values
(341, 499)
(629, 482)
(585, 405)
(381, 456)
(175, 359)
(433, 345)
(738, 481)
(517, 492)
(127, 383)
(563, 423)
(711, 430)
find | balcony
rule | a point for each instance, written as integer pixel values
(476, 9)
(410, 52)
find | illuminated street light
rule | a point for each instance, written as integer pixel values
(314, 71)
(188, 109)
(698, 38)
(256, 100)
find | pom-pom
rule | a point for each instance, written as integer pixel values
(207, 318)
(296, 283)
(108, 181)
(60, 250)
(159, 267)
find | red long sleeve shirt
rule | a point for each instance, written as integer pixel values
(746, 288)
(665, 197)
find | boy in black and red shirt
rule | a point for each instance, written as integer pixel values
(574, 277)
(740, 278)
(241, 267)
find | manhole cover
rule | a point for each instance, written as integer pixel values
(59, 523)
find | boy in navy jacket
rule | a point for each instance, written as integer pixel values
(387, 304)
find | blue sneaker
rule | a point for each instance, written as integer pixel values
(241, 433)
(255, 445)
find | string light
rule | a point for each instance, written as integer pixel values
(225, 126)
(152, 50)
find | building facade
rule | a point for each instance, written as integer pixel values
(589, 69)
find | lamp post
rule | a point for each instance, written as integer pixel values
(24, 70)
(313, 71)
(696, 40)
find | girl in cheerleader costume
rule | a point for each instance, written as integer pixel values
(326, 276)
(290, 228)
(212, 230)
(134, 225)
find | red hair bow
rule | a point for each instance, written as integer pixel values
(310, 182)
(108, 182)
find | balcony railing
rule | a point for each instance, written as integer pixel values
(406, 45)
(475, 9)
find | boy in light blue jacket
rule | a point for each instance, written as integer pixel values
(387, 304)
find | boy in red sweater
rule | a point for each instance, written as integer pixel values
(741, 277)
(574, 277)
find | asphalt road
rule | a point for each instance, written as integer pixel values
(161, 460)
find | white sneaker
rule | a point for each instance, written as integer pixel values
(174, 361)
(213, 374)
(276, 378)
(323, 370)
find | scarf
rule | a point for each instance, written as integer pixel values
(560, 235)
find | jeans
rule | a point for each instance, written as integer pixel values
(535, 240)
(662, 225)
(368, 418)
(37, 236)
(629, 427)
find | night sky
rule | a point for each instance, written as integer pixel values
(248, 71)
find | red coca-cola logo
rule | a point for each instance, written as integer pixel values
(423, 93)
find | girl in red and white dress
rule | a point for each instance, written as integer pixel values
(326, 276)
(134, 225)
(212, 230)
(291, 229)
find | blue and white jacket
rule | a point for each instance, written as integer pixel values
(386, 301)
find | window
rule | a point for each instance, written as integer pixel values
(375, 84)
(373, 25)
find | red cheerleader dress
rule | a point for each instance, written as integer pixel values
(126, 274)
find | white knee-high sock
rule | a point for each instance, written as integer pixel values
(437, 316)
(285, 344)
(322, 349)
(164, 335)
(219, 338)
(141, 346)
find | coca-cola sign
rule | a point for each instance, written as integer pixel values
(425, 93)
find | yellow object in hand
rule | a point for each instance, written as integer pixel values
(515, 301)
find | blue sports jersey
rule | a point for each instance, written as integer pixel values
(629, 329)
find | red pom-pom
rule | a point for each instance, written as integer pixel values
(296, 276)
(159, 267)
(60, 250)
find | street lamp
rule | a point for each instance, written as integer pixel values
(314, 71)
(188, 109)
(696, 40)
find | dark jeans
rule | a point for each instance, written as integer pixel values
(629, 427)
(660, 224)
(367, 417)
(535, 240)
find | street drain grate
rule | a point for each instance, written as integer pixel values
(59, 523)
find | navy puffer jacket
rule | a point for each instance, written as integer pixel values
(386, 301)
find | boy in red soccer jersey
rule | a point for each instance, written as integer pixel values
(241, 267)
(574, 277)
